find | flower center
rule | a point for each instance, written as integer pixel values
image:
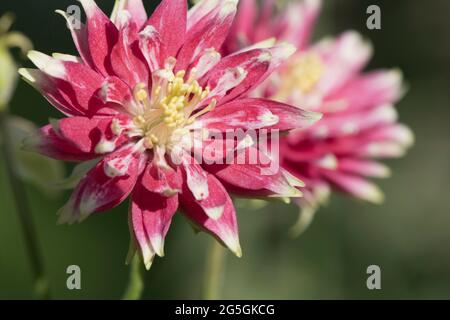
(168, 107)
(302, 75)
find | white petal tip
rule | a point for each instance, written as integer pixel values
(287, 49)
(158, 245)
(47, 64)
(373, 194)
(305, 218)
(237, 251)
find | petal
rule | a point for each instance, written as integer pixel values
(114, 90)
(152, 48)
(156, 212)
(243, 26)
(336, 125)
(102, 35)
(236, 74)
(169, 21)
(253, 113)
(343, 58)
(126, 58)
(54, 94)
(79, 36)
(139, 236)
(135, 8)
(78, 138)
(162, 180)
(254, 173)
(224, 228)
(105, 186)
(355, 186)
(196, 177)
(298, 22)
(76, 83)
(372, 89)
(207, 32)
(363, 167)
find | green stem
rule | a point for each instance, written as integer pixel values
(41, 287)
(214, 271)
(136, 281)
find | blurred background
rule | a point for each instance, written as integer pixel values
(408, 236)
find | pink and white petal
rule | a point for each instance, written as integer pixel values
(126, 58)
(169, 20)
(236, 74)
(76, 82)
(363, 167)
(344, 58)
(152, 48)
(298, 22)
(207, 33)
(196, 177)
(115, 91)
(355, 186)
(255, 113)
(95, 135)
(78, 138)
(200, 11)
(139, 235)
(352, 123)
(224, 228)
(381, 149)
(156, 212)
(162, 180)
(243, 26)
(79, 36)
(204, 63)
(47, 87)
(105, 186)
(135, 8)
(395, 133)
(48, 143)
(252, 170)
(102, 35)
(370, 90)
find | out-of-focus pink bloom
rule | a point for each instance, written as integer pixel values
(359, 121)
(135, 100)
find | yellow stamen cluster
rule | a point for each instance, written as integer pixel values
(302, 75)
(169, 106)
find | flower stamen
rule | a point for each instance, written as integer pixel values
(168, 106)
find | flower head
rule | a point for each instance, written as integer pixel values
(359, 121)
(141, 102)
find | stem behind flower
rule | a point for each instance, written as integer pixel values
(41, 286)
(135, 285)
(214, 271)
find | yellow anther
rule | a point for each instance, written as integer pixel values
(180, 74)
(141, 95)
(302, 75)
(168, 107)
(139, 120)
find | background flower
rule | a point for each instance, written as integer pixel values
(359, 124)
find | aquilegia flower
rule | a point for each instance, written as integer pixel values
(359, 121)
(140, 98)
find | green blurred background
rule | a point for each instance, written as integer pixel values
(408, 236)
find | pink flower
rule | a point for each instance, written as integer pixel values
(140, 95)
(359, 121)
